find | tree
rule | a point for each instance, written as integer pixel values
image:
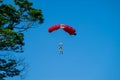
(14, 20)
(10, 66)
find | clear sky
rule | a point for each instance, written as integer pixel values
(93, 54)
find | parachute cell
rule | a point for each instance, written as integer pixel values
(52, 28)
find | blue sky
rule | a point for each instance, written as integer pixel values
(93, 54)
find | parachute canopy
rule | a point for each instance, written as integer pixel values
(66, 28)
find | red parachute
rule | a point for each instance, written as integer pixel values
(66, 28)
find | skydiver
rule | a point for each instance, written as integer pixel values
(60, 48)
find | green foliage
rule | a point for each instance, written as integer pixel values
(36, 14)
(11, 40)
(9, 15)
(1, 1)
(14, 19)
(23, 4)
(10, 67)
(28, 12)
